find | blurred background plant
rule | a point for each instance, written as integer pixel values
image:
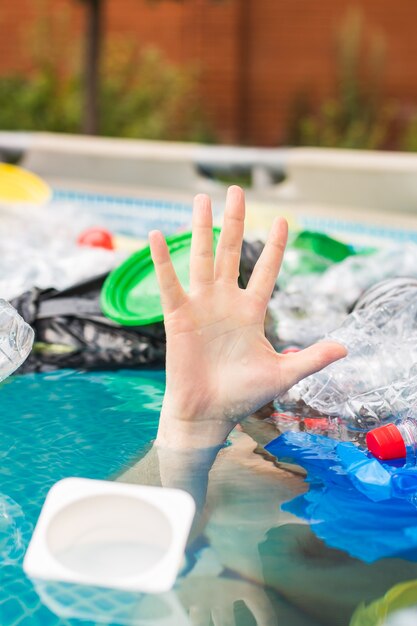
(141, 94)
(155, 99)
(358, 115)
(409, 140)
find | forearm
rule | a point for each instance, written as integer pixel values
(187, 469)
(184, 468)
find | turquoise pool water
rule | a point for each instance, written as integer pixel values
(252, 563)
(58, 425)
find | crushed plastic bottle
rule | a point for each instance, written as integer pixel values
(16, 339)
(349, 279)
(376, 378)
(384, 404)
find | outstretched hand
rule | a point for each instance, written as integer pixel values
(220, 367)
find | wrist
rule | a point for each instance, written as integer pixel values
(178, 433)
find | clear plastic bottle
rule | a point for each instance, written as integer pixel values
(16, 339)
(377, 377)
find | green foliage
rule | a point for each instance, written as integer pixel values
(41, 102)
(358, 116)
(409, 140)
(142, 96)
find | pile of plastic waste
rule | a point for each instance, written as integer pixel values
(369, 304)
(313, 304)
(44, 252)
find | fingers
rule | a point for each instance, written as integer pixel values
(230, 242)
(172, 294)
(223, 615)
(199, 616)
(264, 275)
(261, 608)
(202, 257)
(301, 364)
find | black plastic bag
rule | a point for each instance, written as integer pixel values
(72, 332)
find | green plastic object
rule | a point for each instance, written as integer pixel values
(323, 245)
(399, 597)
(130, 294)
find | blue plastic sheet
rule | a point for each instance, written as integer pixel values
(355, 502)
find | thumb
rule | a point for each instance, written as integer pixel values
(298, 365)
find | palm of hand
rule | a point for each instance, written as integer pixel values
(220, 366)
(223, 364)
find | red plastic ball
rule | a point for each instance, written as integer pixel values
(96, 238)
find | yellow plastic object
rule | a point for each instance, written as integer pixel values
(18, 186)
(375, 614)
(128, 244)
(260, 216)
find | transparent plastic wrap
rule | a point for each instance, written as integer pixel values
(16, 339)
(349, 279)
(311, 252)
(301, 320)
(313, 305)
(300, 263)
(377, 377)
(42, 252)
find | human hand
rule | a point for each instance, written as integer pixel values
(220, 367)
(214, 600)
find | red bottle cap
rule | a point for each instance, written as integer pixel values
(96, 238)
(386, 442)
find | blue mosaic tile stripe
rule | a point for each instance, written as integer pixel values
(350, 229)
(127, 215)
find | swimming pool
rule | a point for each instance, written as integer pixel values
(252, 563)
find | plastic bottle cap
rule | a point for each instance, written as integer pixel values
(96, 238)
(386, 442)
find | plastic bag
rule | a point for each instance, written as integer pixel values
(355, 503)
(72, 332)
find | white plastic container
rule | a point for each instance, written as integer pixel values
(111, 534)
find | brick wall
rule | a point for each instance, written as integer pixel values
(254, 55)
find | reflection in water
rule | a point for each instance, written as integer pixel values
(307, 583)
(14, 532)
(108, 606)
(248, 563)
(58, 425)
